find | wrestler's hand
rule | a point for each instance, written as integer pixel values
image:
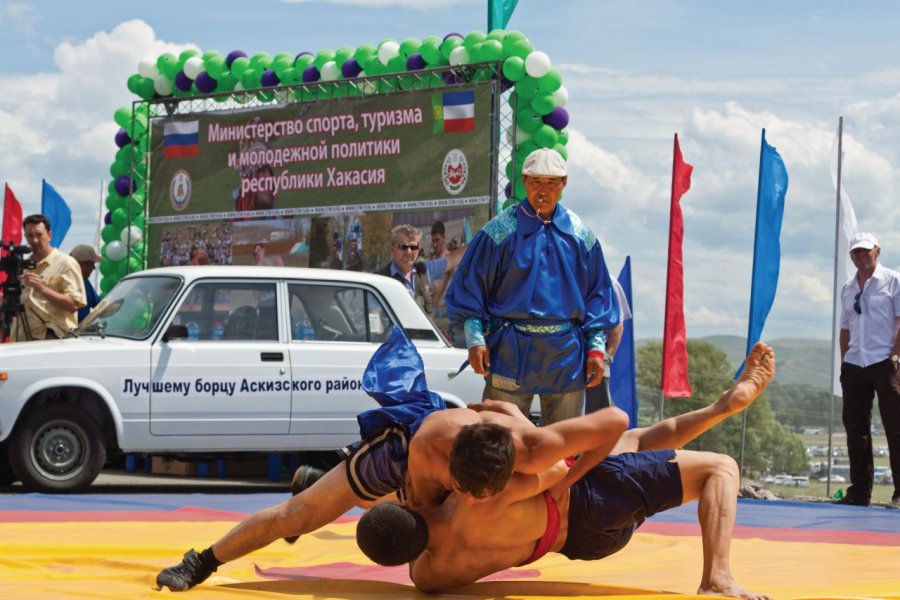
(594, 369)
(480, 360)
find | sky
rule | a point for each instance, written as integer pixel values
(637, 72)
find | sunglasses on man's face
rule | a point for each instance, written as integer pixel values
(856, 305)
(408, 246)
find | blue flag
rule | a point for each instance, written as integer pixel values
(623, 375)
(57, 212)
(773, 185)
(499, 12)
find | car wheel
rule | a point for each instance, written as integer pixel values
(57, 448)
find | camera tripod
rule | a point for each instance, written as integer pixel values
(12, 308)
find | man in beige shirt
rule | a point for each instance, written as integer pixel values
(52, 292)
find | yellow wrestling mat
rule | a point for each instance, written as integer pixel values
(120, 559)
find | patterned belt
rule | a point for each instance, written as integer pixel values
(542, 327)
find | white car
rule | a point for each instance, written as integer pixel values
(206, 360)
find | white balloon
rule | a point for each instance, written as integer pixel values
(330, 71)
(561, 96)
(116, 250)
(193, 66)
(388, 50)
(162, 85)
(537, 64)
(132, 235)
(521, 135)
(147, 68)
(459, 56)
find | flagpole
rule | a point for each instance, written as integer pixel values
(834, 302)
(96, 273)
(762, 147)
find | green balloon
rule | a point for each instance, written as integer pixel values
(168, 65)
(250, 79)
(528, 120)
(526, 148)
(146, 89)
(542, 104)
(491, 50)
(564, 136)
(397, 64)
(373, 66)
(519, 188)
(132, 83)
(186, 54)
(114, 201)
(475, 53)
(122, 117)
(343, 54)
(545, 136)
(137, 219)
(135, 264)
(450, 44)
(239, 65)
(119, 218)
(521, 48)
(409, 46)
(210, 54)
(563, 151)
(226, 83)
(527, 87)
(431, 51)
(363, 53)
(119, 168)
(324, 55)
(513, 68)
(109, 233)
(497, 34)
(472, 38)
(550, 82)
(106, 267)
(261, 61)
(108, 282)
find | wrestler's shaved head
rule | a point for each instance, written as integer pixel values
(482, 459)
(391, 535)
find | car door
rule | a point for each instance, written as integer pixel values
(335, 329)
(231, 375)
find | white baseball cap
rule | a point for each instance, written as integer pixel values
(544, 162)
(863, 240)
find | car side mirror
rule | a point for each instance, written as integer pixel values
(175, 332)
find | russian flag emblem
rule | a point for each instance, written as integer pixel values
(454, 112)
(181, 139)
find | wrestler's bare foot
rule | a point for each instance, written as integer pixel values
(758, 372)
(730, 589)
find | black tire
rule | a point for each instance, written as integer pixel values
(57, 448)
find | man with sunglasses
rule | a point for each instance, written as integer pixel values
(870, 352)
(535, 299)
(417, 275)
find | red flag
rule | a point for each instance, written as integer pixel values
(12, 218)
(674, 381)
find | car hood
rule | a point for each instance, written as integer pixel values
(62, 353)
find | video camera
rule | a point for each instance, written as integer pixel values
(13, 264)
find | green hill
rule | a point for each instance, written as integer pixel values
(798, 360)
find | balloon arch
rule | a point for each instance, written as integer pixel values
(536, 100)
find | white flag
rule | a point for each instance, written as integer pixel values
(844, 266)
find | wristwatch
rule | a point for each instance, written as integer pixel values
(895, 359)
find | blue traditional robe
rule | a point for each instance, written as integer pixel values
(539, 295)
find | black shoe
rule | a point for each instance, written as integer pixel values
(185, 575)
(304, 477)
(852, 501)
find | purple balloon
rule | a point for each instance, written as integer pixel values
(415, 62)
(124, 187)
(310, 74)
(304, 53)
(508, 190)
(205, 83)
(450, 35)
(350, 68)
(505, 83)
(269, 78)
(558, 118)
(233, 55)
(122, 138)
(183, 82)
(107, 218)
(451, 78)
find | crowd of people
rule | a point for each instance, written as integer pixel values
(214, 240)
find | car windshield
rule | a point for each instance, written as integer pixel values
(132, 308)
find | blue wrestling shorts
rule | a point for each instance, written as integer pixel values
(377, 465)
(608, 504)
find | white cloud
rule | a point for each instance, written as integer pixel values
(59, 125)
(17, 17)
